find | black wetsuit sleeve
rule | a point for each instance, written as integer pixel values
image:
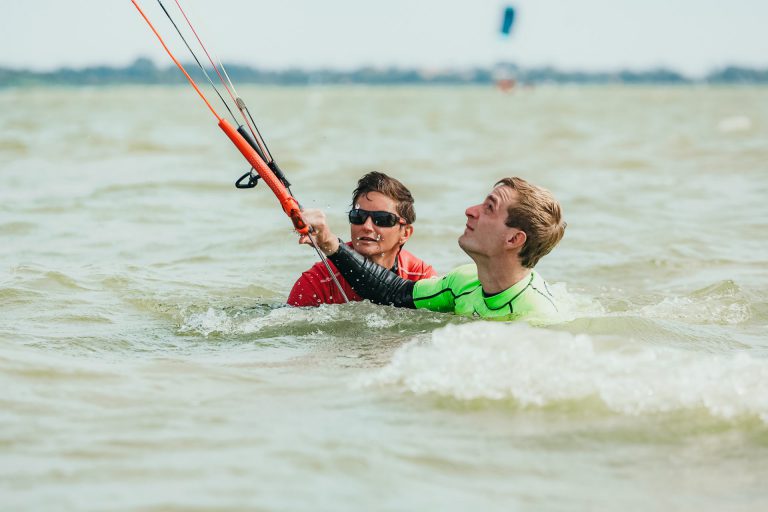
(372, 281)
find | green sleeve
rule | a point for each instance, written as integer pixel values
(434, 294)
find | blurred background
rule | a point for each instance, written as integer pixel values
(690, 37)
(146, 353)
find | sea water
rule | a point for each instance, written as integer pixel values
(147, 360)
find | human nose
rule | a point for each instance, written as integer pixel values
(368, 224)
(471, 212)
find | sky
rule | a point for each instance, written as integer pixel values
(691, 36)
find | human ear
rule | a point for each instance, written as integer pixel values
(406, 233)
(517, 240)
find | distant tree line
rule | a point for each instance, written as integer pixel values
(144, 71)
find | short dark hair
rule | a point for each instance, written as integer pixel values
(390, 187)
(538, 214)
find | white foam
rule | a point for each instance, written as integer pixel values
(700, 311)
(282, 317)
(211, 321)
(220, 322)
(377, 320)
(573, 305)
(537, 367)
(234, 322)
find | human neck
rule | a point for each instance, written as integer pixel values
(387, 259)
(498, 274)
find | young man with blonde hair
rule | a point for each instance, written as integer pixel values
(506, 235)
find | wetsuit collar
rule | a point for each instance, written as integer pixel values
(504, 297)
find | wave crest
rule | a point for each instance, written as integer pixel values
(537, 367)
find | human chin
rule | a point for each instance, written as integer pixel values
(466, 243)
(465, 238)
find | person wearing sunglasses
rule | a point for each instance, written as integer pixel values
(380, 221)
(506, 235)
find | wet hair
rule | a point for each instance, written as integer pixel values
(538, 214)
(390, 187)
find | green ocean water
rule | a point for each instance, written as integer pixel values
(148, 362)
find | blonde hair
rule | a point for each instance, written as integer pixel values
(538, 214)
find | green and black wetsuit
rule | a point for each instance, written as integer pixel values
(459, 291)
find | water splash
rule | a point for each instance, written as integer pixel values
(536, 368)
(721, 303)
(281, 320)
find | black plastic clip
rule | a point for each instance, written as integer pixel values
(252, 180)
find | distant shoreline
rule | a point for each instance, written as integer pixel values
(144, 72)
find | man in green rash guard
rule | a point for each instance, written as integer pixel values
(506, 235)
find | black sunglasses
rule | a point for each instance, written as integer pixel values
(358, 216)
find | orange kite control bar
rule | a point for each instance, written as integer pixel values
(287, 201)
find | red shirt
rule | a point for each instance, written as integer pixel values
(316, 287)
